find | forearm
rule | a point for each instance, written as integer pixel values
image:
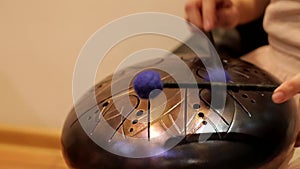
(250, 10)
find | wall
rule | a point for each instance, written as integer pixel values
(39, 43)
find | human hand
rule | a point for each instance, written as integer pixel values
(287, 89)
(210, 14)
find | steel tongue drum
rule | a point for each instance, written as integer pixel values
(169, 113)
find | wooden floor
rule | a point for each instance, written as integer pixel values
(23, 157)
(30, 149)
(40, 149)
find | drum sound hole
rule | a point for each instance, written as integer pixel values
(196, 106)
(105, 104)
(139, 113)
(135, 121)
(245, 96)
(201, 114)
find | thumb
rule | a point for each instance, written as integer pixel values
(287, 90)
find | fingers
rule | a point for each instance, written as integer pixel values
(287, 90)
(227, 17)
(193, 12)
(209, 14)
(202, 13)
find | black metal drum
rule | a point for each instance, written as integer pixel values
(250, 132)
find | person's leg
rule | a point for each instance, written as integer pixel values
(282, 67)
(295, 161)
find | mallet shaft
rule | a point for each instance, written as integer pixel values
(229, 86)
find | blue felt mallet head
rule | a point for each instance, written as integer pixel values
(147, 84)
(217, 75)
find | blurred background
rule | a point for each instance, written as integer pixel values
(39, 43)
